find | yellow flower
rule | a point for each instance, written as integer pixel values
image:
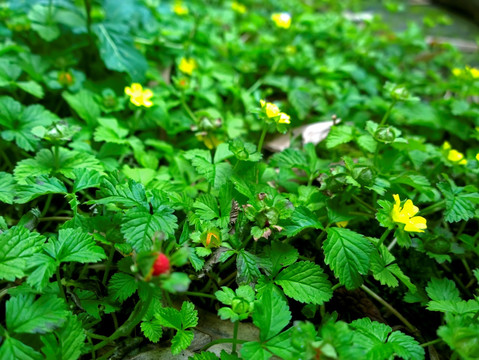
(456, 156)
(446, 145)
(457, 72)
(473, 72)
(477, 156)
(405, 215)
(468, 71)
(272, 111)
(238, 7)
(342, 224)
(138, 96)
(179, 8)
(282, 20)
(187, 66)
(284, 118)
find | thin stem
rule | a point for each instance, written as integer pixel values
(432, 342)
(96, 336)
(188, 110)
(263, 135)
(235, 335)
(383, 237)
(392, 244)
(383, 302)
(108, 264)
(192, 293)
(337, 286)
(60, 286)
(55, 218)
(222, 341)
(47, 205)
(433, 208)
(388, 112)
(363, 203)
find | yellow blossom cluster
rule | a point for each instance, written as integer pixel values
(272, 111)
(405, 215)
(467, 71)
(138, 95)
(282, 20)
(187, 65)
(454, 155)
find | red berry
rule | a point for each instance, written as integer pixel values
(161, 265)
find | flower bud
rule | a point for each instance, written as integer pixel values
(385, 134)
(363, 175)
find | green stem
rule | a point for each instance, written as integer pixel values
(192, 293)
(263, 135)
(235, 335)
(222, 341)
(383, 302)
(433, 208)
(388, 112)
(95, 336)
(432, 342)
(138, 313)
(383, 237)
(60, 286)
(188, 110)
(55, 218)
(108, 264)
(56, 156)
(364, 204)
(338, 285)
(47, 205)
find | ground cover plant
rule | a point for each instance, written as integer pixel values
(139, 182)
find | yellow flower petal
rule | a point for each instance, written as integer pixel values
(477, 156)
(342, 224)
(455, 155)
(409, 209)
(187, 66)
(282, 20)
(238, 7)
(406, 216)
(272, 110)
(262, 102)
(446, 145)
(284, 118)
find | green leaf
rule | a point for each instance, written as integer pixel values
(458, 202)
(118, 51)
(7, 187)
(122, 286)
(406, 346)
(24, 314)
(18, 122)
(86, 179)
(216, 174)
(129, 194)
(254, 350)
(44, 164)
(140, 227)
(305, 282)
(247, 265)
(15, 349)
(44, 267)
(169, 317)
(302, 102)
(67, 342)
(74, 245)
(204, 355)
(461, 334)
(17, 245)
(281, 255)
(152, 330)
(84, 104)
(31, 188)
(110, 131)
(290, 158)
(42, 22)
(383, 215)
(225, 295)
(443, 289)
(271, 314)
(206, 207)
(339, 135)
(188, 314)
(281, 346)
(181, 341)
(301, 219)
(347, 253)
(454, 307)
(367, 143)
(31, 87)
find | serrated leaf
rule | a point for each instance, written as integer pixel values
(15, 349)
(254, 350)
(281, 255)
(206, 207)
(7, 187)
(247, 266)
(33, 187)
(152, 330)
(67, 343)
(140, 227)
(347, 253)
(181, 341)
(225, 295)
(122, 286)
(339, 135)
(216, 174)
(367, 142)
(85, 179)
(169, 317)
(443, 289)
(302, 101)
(280, 345)
(84, 104)
(18, 122)
(461, 334)
(129, 194)
(44, 267)
(31, 87)
(305, 282)
(458, 204)
(406, 346)
(301, 219)
(271, 314)
(74, 245)
(290, 158)
(189, 316)
(117, 50)
(24, 314)
(110, 131)
(454, 307)
(17, 245)
(204, 355)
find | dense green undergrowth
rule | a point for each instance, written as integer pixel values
(139, 182)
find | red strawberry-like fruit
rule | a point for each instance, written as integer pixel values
(161, 265)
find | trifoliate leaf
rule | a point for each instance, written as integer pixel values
(347, 253)
(206, 207)
(254, 350)
(140, 227)
(339, 135)
(152, 330)
(24, 314)
(169, 317)
(67, 342)
(279, 256)
(247, 265)
(459, 205)
(130, 194)
(301, 219)
(271, 314)
(122, 286)
(33, 187)
(216, 174)
(74, 245)
(17, 245)
(306, 282)
(15, 349)
(17, 122)
(7, 187)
